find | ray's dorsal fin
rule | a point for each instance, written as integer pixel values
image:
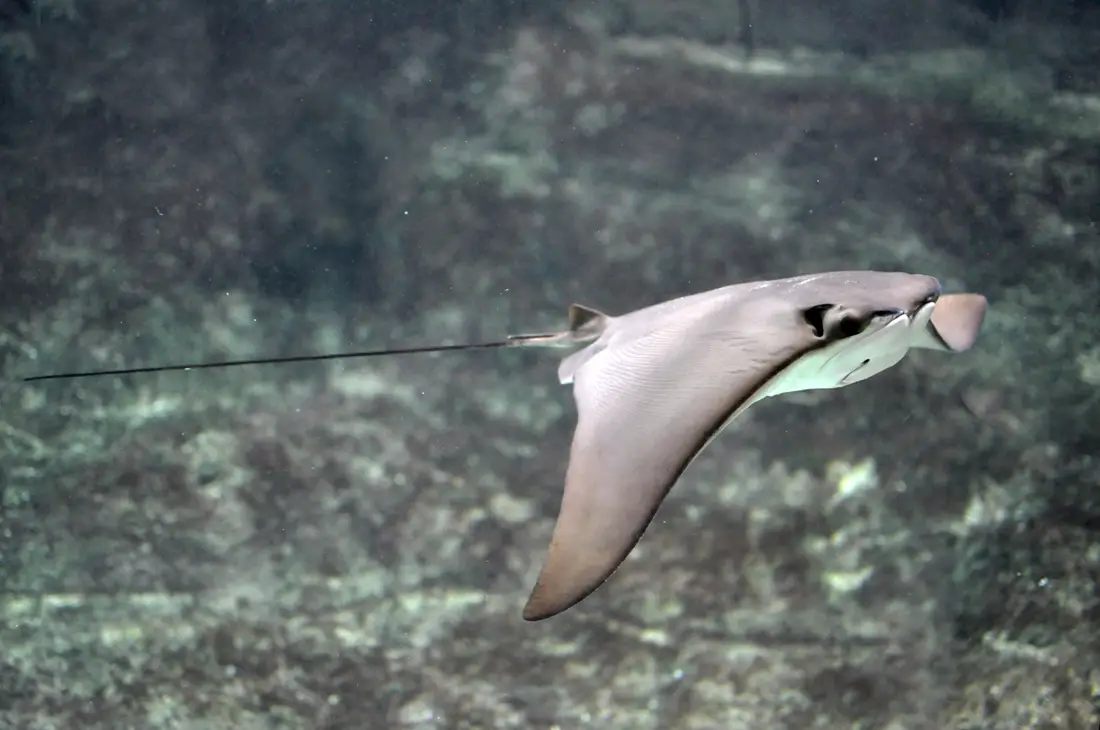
(586, 322)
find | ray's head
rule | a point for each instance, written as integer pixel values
(841, 304)
(866, 321)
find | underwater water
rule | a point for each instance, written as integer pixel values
(351, 544)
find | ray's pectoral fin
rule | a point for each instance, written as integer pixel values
(645, 410)
(956, 321)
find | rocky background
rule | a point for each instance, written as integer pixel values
(350, 545)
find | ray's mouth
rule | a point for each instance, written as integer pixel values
(914, 311)
(930, 299)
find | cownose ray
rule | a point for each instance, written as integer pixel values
(655, 386)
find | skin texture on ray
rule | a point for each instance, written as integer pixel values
(653, 387)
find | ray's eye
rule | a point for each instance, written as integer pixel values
(815, 317)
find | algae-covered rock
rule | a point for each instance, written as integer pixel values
(350, 544)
